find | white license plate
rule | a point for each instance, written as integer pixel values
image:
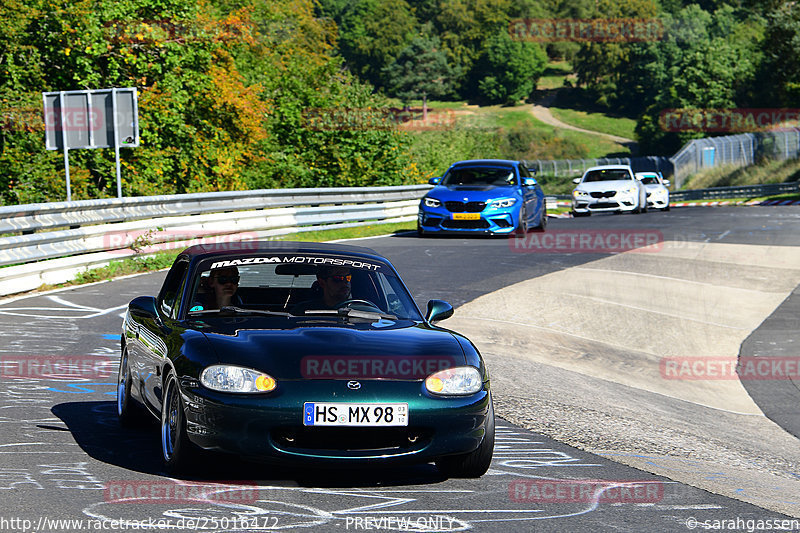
(355, 414)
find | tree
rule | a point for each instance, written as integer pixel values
(780, 69)
(421, 70)
(508, 70)
(371, 35)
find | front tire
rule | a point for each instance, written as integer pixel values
(176, 449)
(542, 222)
(128, 411)
(473, 464)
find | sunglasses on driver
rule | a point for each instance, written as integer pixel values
(227, 279)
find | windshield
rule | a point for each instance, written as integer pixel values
(607, 175)
(481, 176)
(295, 284)
(650, 179)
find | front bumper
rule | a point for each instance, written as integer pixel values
(618, 203)
(270, 427)
(658, 202)
(489, 221)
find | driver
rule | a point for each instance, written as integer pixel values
(334, 284)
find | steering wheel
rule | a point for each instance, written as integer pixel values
(357, 301)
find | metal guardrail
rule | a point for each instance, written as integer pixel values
(37, 217)
(741, 191)
(50, 243)
(715, 193)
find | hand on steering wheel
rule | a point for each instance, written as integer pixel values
(356, 301)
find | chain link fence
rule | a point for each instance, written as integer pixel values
(576, 167)
(740, 150)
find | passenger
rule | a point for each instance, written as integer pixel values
(221, 285)
(334, 288)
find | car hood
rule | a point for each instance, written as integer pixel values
(381, 350)
(653, 186)
(598, 186)
(483, 193)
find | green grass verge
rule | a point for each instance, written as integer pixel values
(554, 75)
(161, 260)
(769, 171)
(779, 197)
(600, 122)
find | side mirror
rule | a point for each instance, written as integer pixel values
(438, 310)
(144, 307)
(529, 182)
(435, 181)
(666, 183)
(576, 180)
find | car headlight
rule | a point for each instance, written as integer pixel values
(431, 202)
(630, 190)
(456, 381)
(229, 378)
(577, 193)
(505, 202)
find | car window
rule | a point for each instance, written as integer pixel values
(607, 175)
(481, 176)
(172, 287)
(276, 284)
(650, 179)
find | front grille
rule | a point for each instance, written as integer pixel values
(353, 439)
(603, 205)
(603, 194)
(465, 224)
(465, 207)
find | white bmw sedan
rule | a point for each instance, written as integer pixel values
(656, 187)
(608, 188)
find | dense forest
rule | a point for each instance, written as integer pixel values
(244, 94)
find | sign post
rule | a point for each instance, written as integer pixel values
(98, 118)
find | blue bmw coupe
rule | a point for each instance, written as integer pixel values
(487, 196)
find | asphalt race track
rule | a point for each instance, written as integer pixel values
(593, 434)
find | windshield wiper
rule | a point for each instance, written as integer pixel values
(232, 310)
(349, 312)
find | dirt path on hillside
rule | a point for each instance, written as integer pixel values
(541, 110)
